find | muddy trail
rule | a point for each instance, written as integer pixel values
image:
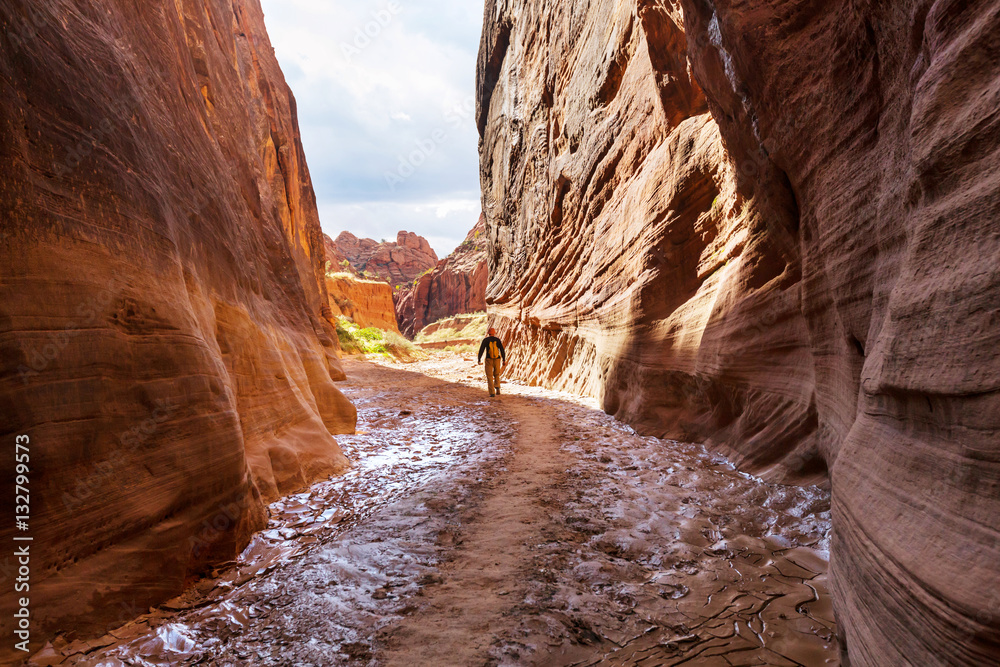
(531, 529)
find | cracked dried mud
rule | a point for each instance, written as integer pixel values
(531, 529)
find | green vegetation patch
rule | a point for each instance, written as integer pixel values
(355, 340)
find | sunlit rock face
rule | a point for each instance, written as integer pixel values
(457, 285)
(368, 303)
(163, 331)
(773, 227)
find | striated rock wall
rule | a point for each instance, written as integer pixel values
(397, 263)
(367, 302)
(620, 248)
(163, 331)
(457, 285)
(772, 227)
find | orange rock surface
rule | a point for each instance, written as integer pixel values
(772, 227)
(367, 302)
(456, 285)
(163, 331)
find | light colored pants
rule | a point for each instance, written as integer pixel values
(493, 368)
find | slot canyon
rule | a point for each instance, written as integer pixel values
(744, 261)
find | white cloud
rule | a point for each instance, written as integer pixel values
(376, 82)
(464, 207)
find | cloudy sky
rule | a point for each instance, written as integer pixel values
(385, 92)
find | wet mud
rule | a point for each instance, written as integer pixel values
(531, 529)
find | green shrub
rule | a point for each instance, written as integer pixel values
(371, 340)
(370, 334)
(347, 341)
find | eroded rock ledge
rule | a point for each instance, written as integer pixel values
(773, 228)
(163, 331)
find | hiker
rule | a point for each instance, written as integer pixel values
(496, 359)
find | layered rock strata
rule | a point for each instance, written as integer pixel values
(163, 331)
(457, 285)
(368, 303)
(397, 263)
(773, 228)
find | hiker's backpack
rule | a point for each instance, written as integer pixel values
(493, 351)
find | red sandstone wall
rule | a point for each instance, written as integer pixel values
(457, 285)
(162, 330)
(772, 227)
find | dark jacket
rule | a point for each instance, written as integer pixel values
(486, 343)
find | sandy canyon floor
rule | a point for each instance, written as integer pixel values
(531, 529)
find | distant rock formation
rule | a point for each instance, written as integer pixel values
(163, 339)
(336, 260)
(368, 303)
(772, 227)
(396, 263)
(456, 285)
